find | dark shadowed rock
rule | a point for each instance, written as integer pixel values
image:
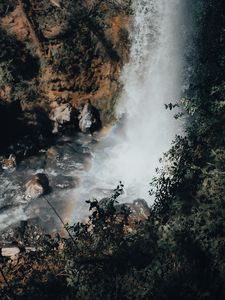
(37, 186)
(139, 210)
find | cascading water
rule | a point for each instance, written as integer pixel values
(153, 78)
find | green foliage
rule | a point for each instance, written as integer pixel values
(102, 246)
(103, 233)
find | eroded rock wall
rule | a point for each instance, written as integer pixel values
(60, 52)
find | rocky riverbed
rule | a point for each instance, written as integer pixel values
(22, 196)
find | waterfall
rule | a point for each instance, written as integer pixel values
(152, 78)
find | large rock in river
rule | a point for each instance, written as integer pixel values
(37, 186)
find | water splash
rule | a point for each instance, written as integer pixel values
(153, 78)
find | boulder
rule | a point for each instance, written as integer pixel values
(140, 210)
(89, 119)
(60, 114)
(9, 163)
(37, 186)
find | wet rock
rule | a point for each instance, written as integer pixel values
(11, 252)
(9, 163)
(89, 119)
(60, 114)
(131, 213)
(139, 210)
(52, 153)
(27, 129)
(37, 186)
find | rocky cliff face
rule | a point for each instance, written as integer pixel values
(56, 57)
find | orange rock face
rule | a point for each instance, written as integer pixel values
(81, 51)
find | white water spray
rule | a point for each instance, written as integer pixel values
(153, 78)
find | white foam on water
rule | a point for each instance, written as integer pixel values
(153, 78)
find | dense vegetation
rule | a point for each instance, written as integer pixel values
(178, 253)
